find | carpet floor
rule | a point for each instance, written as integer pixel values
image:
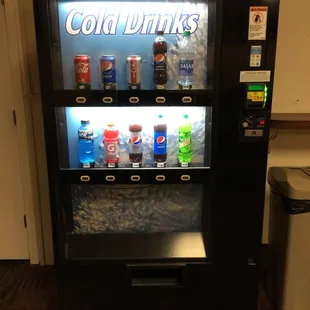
(26, 287)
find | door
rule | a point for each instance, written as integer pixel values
(13, 234)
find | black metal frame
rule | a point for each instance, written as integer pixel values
(235, 184)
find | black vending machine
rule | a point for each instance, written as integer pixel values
(156, 121)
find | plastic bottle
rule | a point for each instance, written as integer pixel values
(86, 145)
(160, 140)
(185, 136)
(111, 141)
(135, 144)
(186, 56)
(160, 61)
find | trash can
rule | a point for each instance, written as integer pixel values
(289, 237)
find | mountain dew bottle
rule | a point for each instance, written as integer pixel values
(185, 136)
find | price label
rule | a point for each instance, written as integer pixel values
(160, 165)
(184, 165)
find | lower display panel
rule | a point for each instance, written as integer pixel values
(153, 208)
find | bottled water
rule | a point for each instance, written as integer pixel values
(86, 142)
(186, 56)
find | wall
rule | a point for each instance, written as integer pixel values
(291, 97)
(33, 98)
(292, 78)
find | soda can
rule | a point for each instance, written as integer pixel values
(134, 72)
(108, 72)
(82, 72)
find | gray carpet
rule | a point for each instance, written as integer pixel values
(25, 287)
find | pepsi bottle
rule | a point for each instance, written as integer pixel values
(160, 61)
(86, 143)
(135, 145)
(160, 141)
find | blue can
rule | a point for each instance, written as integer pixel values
(108, 72)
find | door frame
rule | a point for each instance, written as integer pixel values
(25, 134)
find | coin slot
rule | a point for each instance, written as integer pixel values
(187, 99)
(134, 100)
(107, 99)
(135, 178)
(160, 178)
(160, 99)
(110, 178)
(185, 177)
(85, 178)
(80, 99)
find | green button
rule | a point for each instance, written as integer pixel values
(256, 87)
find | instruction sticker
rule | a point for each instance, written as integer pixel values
(256, 56)
(258, 22)
(255, 76)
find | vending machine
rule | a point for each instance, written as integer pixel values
(156, 121)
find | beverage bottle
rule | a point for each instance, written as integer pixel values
(160, 61)
(160, 140)
(135, 144)
(185, 136)
(111, 141)
(186, 56)
(86, 145)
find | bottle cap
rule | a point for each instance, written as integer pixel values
(160, 32)
(160, 116)
(83, 122)
(187, 33)
(185, 115)
(110, 124)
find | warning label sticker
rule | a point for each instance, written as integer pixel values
(258, 22)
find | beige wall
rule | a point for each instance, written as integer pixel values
(34, 99)
(292, 76)
(291, 89)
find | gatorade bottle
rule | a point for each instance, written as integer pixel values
(86, 143)
(185, 136)
(111, 141)
(160, 140)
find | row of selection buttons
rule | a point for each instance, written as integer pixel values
(134, 178)
(134, 100)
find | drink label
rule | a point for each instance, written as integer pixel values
(111, 149)
(86, 134)
(160, 165)
(135, 143)
(160, 62)
(185, 142)
(86, 165)
(184, 165)
(186, 67)
(160, 143)
(160, 86)
(111, 165)
(82, 70)
(108, 71)
(135, 165)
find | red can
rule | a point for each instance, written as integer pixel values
(82, 72)
(134, 71)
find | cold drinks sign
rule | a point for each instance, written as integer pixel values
(82, 20)
(124, 29)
